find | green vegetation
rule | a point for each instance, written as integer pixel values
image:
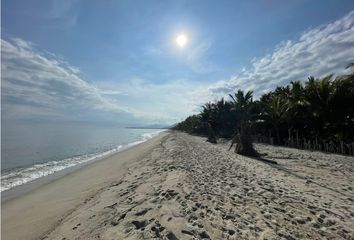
(317, 115)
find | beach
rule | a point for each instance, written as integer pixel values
(178, 186)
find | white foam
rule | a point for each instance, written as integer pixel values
(21, 176)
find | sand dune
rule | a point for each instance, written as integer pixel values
(186, 188)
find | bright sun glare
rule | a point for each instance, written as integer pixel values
(181, 40)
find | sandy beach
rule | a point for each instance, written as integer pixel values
(178, 186)
(32, 214)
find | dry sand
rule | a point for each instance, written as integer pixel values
(181, 187)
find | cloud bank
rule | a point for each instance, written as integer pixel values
(317, 52)
(37, 84)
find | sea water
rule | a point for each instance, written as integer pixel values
(32, 151)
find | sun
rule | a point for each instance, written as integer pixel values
(181, 40)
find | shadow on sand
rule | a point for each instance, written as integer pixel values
(277, 166)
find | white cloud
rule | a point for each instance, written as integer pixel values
(38, 84)
(320, 51)
(31, 77)
(168, 101)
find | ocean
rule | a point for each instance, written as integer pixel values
(32, 151)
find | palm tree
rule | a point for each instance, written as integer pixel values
(342, 109)
(275, 113)
(242, 105)
(320, 109)
(208, 116)
(191, 124)
(224, 118)
(296, 113)
(318, 96)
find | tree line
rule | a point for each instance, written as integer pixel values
(317, 114)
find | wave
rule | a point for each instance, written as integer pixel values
(21, 176)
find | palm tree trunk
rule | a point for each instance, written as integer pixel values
(211, 134)
(278, 134)
(245, 146)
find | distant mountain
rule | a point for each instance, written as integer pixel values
(151, 126)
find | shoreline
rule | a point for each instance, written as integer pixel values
(50, 198)
(30, 185)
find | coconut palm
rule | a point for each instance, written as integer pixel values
(318, 97)
(296, 111)
(341, 118)
(224, 118)
(275, 113)
(208, 116)
(319, 109)
(242, 106)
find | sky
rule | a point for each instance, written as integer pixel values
(118, 61)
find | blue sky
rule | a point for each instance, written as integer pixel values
(117, 61)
